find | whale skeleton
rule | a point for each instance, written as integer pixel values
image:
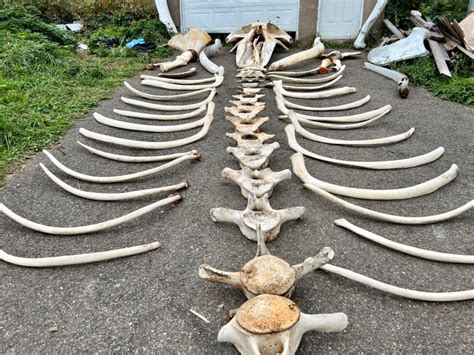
(165, 97)
(375, 165)
(92, 228)
(418, 190)
(119, 196)
(406, 249)
(389, 217)
(78, 258)
(119, 178)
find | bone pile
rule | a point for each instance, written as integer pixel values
(309, 126)
(203, 90)
(269, 322)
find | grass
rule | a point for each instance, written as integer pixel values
(45, 84)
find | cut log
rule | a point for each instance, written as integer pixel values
(439, 59)
(392, 28)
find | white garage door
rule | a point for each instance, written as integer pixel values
(224, 16)
(339, 19)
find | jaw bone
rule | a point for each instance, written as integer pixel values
(265, 273)
(258, 211)
(270, 324)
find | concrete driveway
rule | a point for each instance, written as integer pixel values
(142, 303)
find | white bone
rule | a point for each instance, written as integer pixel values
(251, 91)
(89, 228)
(295, 74)
(258, 211)
(178, 81)
(153, 145)
(242, 126)
(165, 15)
(312, 88)
(325, 79)
(248, 100)
(256, 182)
(422, 189)
(165, 97)
(359, 43)
(159, 84)
(337, 125)
(136, 159)
(361, 117)
(170, 107)
(159, 117)
(245, 113)
(239, 103)
(389, 217)
(402, 292)
(120, 196)
(357, 143)
(376, 165)
(253, 159)
(182, 74)
(148, 128)
(284, 104)
(119, 178)
(78, 258)
(313, 52)
(401, 79)
(210, 52)
(252, 141)
(419, 253)
(314, 95)
(181, 60)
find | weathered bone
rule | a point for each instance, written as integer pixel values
(248, 100)
(242, 126)
(253, 158)
(419, 253)
(78, 258)
(356, 143)
(364, 31)
(401, 79)
(178, 81)
(250, 85)
(360, 117)
(159, 117)
(404, 49)
(284, 104)
(422, 189)
(245, 117)
(251, 91)
(250, 74)
(119, 196)
(333, 60)
(270, 324)
(134, 158)
(308, 81)
(182, 74)
(181, 60)
(252, 141)
(331, 125)
(375, 165)
(313, 95)
(313, 52)
(165, 97)
(256, 182)
(402, 292)
(148, 128)
(170, 107)
(153, 145)
(239, 103)
(295, 74)
(258, 211)
(389, 217)
(90, 228)
(266, 274)
(311, 88)
(219, 78)
(210, 52)
(119, 178)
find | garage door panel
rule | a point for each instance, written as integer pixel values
(223, 20)
(251, 16)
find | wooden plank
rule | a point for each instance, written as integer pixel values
(393, 29)
(438, 56)
(465, 51)
(444, 52)
(458, 30)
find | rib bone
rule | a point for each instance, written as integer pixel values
(314, 95)
(284, 105)
(178, 81)
(210, 52)
(165, 97)
(401, 79)
(325, 79)
(334, 126)
(159, 117)
(219, 78)
(312, 88)
(182, 74)
(90, 228)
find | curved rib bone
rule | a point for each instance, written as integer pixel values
(210, 52)
(169, 107)
(78, 258)
(388, 217)
(256, 182)
(148, 128)
(136, 159)
(325, 79)
(357, 143)
(258, 211)
(361, 117)
(120, 196)
(169, 86)
(118, 178)
(313, 52)
(419, 253)
(90, 228)
(376, 165)
(182, 74)
(164, 97)
(253, 159)
(284, 105)
(153, 145)
(402, 292)
(179, 81)
(337, 125)
(314, 95)
(401, 79)
(312, 88)
(422, 189)
(294, 74)
(159, 117)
